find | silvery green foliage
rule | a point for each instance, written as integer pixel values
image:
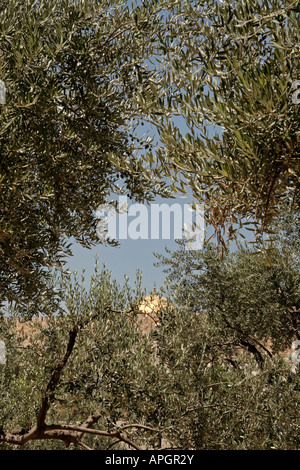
(245, 293)
(68, 128)
(234, 71)
(182, 380)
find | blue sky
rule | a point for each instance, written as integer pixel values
(130, 256)
(133, 255)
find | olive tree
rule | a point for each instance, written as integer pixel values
(235, 78)
(251, 304)
(90, 379)
(68, 135)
